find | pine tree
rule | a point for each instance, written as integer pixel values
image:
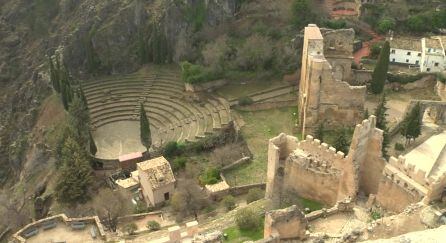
(93, 148)
(341, 142)
(381, 123)
(379, 75)
(411, 125)
(146, 137)
(75, 177)
(319, 133)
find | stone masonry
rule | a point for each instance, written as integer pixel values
(316, 171)
(324, 94)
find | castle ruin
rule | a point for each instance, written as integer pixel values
(316, 171)
(324, 92)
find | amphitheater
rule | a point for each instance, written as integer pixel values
(174, 115)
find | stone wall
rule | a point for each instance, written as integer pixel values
(285, 224)
(365, 153)
(324, 96)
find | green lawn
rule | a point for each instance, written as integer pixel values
(310, 204)
(234, 234)
(259, 127)
(237, 89)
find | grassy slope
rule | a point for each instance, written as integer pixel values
(259, 128)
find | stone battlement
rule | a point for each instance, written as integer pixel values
(398, 178)
(321, 152)
(308, 162)
(409, 169)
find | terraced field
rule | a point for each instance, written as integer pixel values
(174, 114)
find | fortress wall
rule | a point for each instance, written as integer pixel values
(396, 190)
(278, 150)
(311, 179)
(320, 150)
(409, 169)
(365, 153)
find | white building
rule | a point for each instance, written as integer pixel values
(405, 51)
(433, 57)
(427, 53)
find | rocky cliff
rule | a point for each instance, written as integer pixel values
(93, 37)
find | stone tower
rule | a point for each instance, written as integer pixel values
(324, 96)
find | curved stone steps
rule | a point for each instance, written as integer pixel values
(124, 94)
(130, 116)
(125, 83)
(135, 86)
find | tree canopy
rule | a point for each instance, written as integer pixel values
(411, 125)
(146, 137)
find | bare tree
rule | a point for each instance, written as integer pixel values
(189, 199)
(13, 211)
(226, 155)
(110, 205)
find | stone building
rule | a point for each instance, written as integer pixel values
(324, 94)
(316, 171)
(157, 180)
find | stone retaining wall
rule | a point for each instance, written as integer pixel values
(268, 105)
(17, 237)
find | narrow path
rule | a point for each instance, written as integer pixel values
(365, 50)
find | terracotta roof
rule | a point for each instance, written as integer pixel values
(158, 170)
(406, 43)
(131, 156)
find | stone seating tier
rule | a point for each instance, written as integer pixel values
(172, 117)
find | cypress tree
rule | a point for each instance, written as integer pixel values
(366, 114)
(381, 123)
(319, 133)
(143, 47)
(79, 120)
(379, 75)
(93, 148)
(341, 143)
(146, 137)
(75, 177)
(411, 125)
(53, 76)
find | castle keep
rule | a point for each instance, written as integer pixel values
(324, 94)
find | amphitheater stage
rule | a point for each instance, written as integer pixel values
(118, 138)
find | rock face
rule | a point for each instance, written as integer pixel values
(85, 32)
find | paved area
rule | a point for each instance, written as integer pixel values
(119, 138)
(64, 233)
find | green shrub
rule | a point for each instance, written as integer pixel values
(375, 50)
(196, 74)
(228, 202)
(375, 215)
(254, 195)
(130, 228)
(210, 176)
(179, 163)
(399, 147)
(172, 149)
(248, 219)
(242, 101)
(405, 78)
(153, 225)
(385, 24)
(335, 24)
(441, 77)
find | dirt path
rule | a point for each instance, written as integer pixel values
(365, 50)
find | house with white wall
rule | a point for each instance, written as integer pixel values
(405, 50)
(427, 53)
(433, 56)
